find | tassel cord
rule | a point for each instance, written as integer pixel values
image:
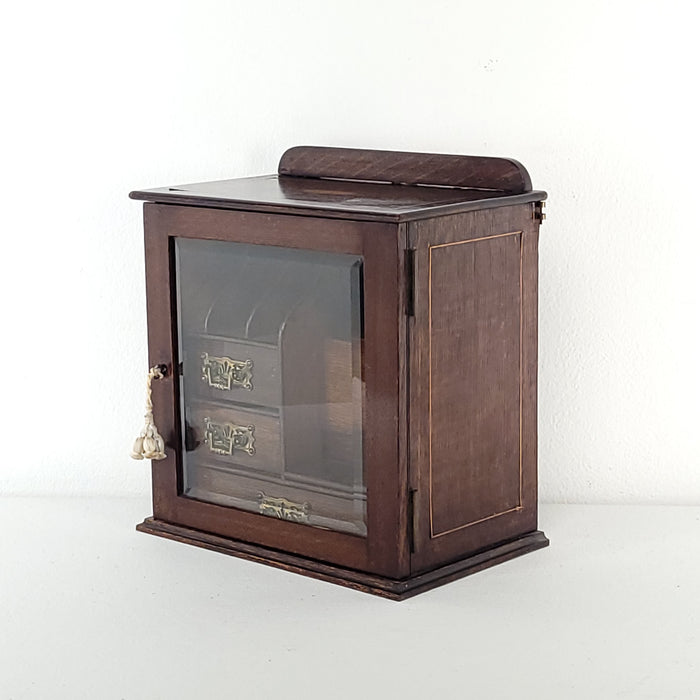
(149, 444)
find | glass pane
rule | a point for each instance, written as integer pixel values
(270, 341)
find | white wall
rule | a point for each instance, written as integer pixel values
(598, 99)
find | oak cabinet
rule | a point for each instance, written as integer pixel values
(349, 365)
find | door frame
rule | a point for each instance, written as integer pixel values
(384, 551)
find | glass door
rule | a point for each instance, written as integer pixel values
(270, 341)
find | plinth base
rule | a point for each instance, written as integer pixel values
(368, 583)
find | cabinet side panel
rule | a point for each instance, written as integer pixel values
(475, 376)
(473, 382)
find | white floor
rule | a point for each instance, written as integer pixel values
(91, 609)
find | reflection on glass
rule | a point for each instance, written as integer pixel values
(270, 341)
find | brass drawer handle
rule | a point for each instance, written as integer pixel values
(283, 509)
(224, 438)
(225, 373)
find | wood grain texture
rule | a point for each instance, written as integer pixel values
(474, 172)
(386, 493)
(333, 199)
(476, 492)
(402, 488)
(474, 402)
(162, 349)
(384, 550)
(383, 586)
(448, 375)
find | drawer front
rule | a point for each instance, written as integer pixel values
(235, 436)
(229, 370)
(269, 496)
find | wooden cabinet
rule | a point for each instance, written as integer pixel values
(350, 359)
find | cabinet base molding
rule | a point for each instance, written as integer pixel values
(393, 589)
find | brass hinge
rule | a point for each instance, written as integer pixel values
(410, 274)
(537, 213)
(412, 520)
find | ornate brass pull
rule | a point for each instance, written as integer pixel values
(225, 373)
(283, 509)
(224, 438)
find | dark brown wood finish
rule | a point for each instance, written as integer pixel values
(265, 392)
(383, 586)
(380, 552)
(474, 382)
(404, 522)
(345, 199)
(449, 362)
(474, 348)
(473, 172)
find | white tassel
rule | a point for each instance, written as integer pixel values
(149, 444)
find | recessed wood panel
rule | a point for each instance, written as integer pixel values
(475, 307)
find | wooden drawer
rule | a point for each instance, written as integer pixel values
(312, 503)
(223, 369)
(232, 435)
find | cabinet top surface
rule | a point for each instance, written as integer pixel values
(337, 198)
